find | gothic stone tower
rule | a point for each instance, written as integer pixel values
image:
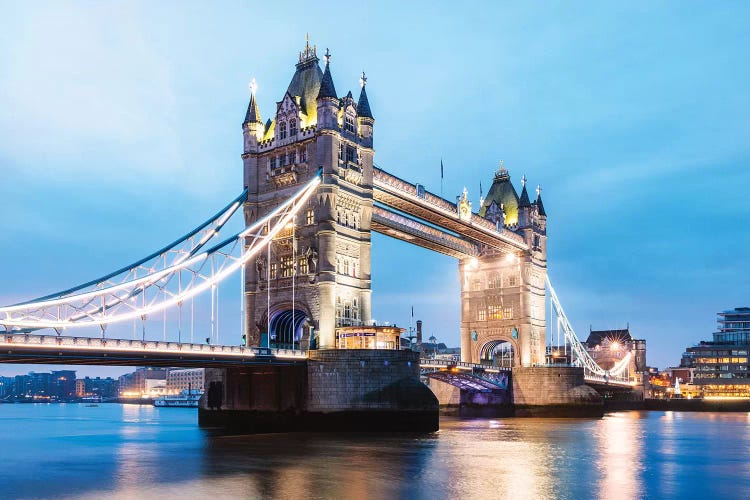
(503, 293)
(327, 255)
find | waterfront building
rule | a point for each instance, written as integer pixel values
(6, 387)
(182, 379)
(720, 366)
(22, 386)
(104, 388)
(609, 347)
(41, 385)
(144, 382)
(63, 384)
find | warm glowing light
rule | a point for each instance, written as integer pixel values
(614, 346)
(510, 258)
(473, 263)
(148, 280)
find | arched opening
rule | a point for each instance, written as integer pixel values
(497, 353)
(286, 328)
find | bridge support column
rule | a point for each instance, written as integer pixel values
(554, 392)
(337, 390)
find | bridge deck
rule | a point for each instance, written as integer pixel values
(48, 349)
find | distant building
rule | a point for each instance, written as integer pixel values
(7, 385)
(63, 384)
(179, 380)
(720, 367)
(104, 388)
(22, 386)
(609, 347)
(144, 382)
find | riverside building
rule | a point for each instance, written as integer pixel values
(720, 367)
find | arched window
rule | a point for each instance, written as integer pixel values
(282, 130)
(349, 124)
(292, 128)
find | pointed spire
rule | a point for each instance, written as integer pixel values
(539, 204)
(326, 84)
(363, 105)
(253, 114)
(524, 200)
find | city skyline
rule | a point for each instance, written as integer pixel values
(636, 140)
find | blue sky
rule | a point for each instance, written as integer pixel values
(120, 130)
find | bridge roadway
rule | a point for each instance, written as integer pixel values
(50, 349)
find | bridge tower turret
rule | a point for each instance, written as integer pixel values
(503, 294)
(316, 277)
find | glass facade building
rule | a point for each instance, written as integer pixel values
(721, 365)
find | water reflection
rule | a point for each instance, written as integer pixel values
(141, 452)
(619, 437)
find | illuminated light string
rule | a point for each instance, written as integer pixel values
(139, 286)
(132, 270)
(591, 368)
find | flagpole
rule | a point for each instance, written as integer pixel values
(441, 177)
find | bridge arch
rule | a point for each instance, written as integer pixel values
(499, 351)
(289, 325)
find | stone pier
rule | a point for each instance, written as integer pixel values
(554, 392)
(335, 390)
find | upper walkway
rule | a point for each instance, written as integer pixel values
(393, 192)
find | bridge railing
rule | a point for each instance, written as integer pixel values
(461, 365)
(105, 344)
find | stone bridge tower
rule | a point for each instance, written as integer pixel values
(327, 256)
(503, 293)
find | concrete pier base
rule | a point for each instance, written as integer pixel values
(336, 390)
(554, 392)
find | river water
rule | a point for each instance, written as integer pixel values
(132, 451)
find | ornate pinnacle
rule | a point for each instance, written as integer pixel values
(363, 80)
(501, 170)
(308, 53)
(523, 180)
(538, 189)
(327, 56)
(253, 86)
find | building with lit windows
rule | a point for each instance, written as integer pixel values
(183, 379)
(720, 366)
(145, 382)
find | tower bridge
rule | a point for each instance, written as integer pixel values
(311, 198)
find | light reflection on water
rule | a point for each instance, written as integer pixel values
(140, 452)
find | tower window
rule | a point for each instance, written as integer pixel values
(310, 217)
(351, 154)
(282, 130)
(292, 128)
(349, 124)
(495, 312)
(302, 265)
(287, 267)
(303, 155)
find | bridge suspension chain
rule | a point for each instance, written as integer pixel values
(579, 354)
(166, 282)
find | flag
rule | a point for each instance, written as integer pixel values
(412, 311)
(441, 168)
